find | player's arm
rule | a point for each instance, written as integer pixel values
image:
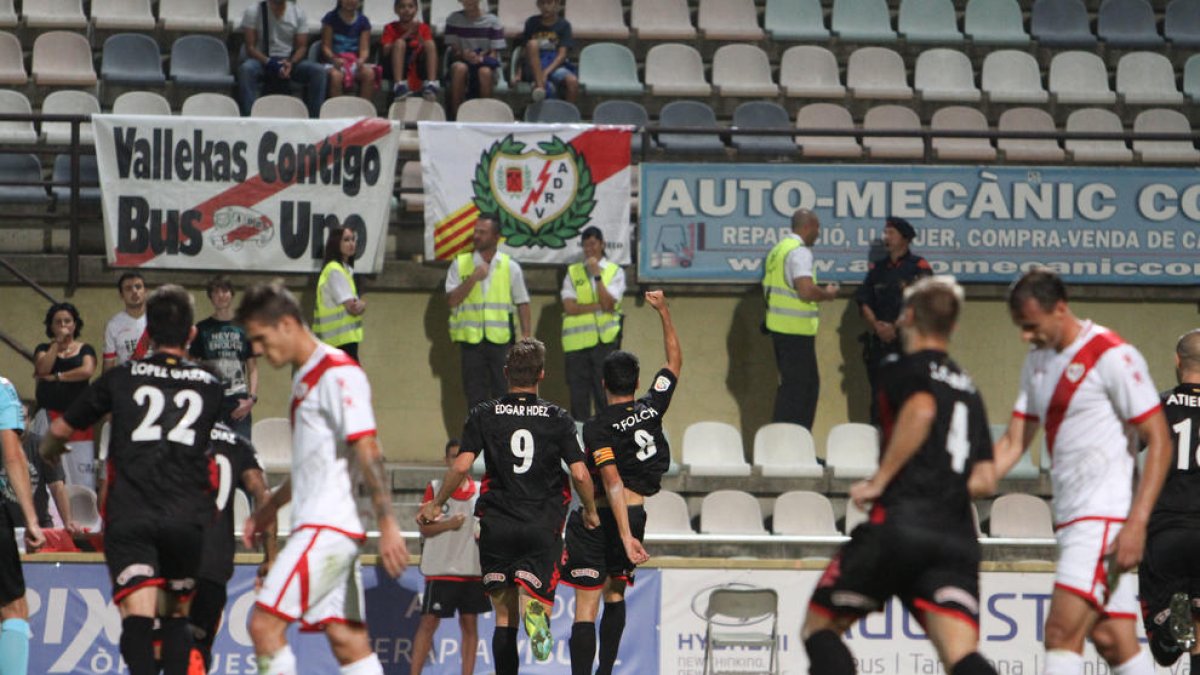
(58, 491)
(54, 443)
(587, 496)
(263, 518)
(912, 428)
(255, 485)
(17, 469)
(1008, 449)
(1131, 540)
(392, 549)
(982, 481)
(614, 488)
(658, 301)
(431, 511)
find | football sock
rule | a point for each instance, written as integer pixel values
(504, 650)
(282, 662)
(1140, 664)
(176, 646)
(612, 624)
(14, 646)
(1063, 662)
(207, 605)
(828, 655)
(137, 645)
(583, 647)
(368, 666)
(972, 664)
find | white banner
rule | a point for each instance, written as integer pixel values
(545, 183)
(243, 193)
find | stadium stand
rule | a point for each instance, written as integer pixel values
(826, 116)
(731, 512)
(85, 507)
(808, 71)
(691, 115)
(1028, 149)
(667, 513)
(929, 22)
(1093, 151)
(485, 110)
(1012, 76)
(1181, 24)
(553, 111)
(995, 22)
(122, 15)
(141, 103)
(68, 102)
(785, 449)
(414, 199)
(347, 106)
(1020, 516)
(676, 70)
(63, 59)
(200, 62)
(892, 118)
(56, 14)
(795, 21)
(272, 439)
(877, 73)
(597, 20)
(609, 69)
(89, 174)
(714, 449)
(1191, 79)
(16, 131)
(132, 60)
(945, 75)
(1128, 24)
(862, 21)
(853, 517)
(279, 105)
(1159, 120)
(512, 15)
(192, 16)
(1061, 24)
(959, 149)
(1147, 78)
(415, 110)
(852, 450)
(1080, 78)
(8, 14)
(207, 104)
(802, 512)
(729, 20)
(21, 168)
(743, 71)
(661, 20)
(12, 61)
(625, 112)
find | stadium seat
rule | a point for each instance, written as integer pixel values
(597, 20)
(661, 20)
(194, 16)
(690, 114)
(272, 439)
(728, 20)
(279, 105)
(1012, 76)
(675, 70)
(892, 117)
(667, 513)
(1097, 151)
(877, 73)
(1181, 24)
(1164, 121)
(1191, 78)
(1021, 516)
(85, 507)
(207, 104)
(854, 517)
(68, 102)
(852, 450)
(763, 115)
(12, 61)
(740, 70)
(929, 22)
(628, 113)
(862, 21)
(141, 103)
(951, 148)
(341, 107)
(486, 110)
(63, 59)
(512, 15)
(800, 512)
(440, 9)
(714, 449)
(826, 116)
(122, 15)
(609, 69)
(785, 449)
(1028, 149)
(1147, 78)
(14, 131)
(1080, 78)
(57, 14)
(810, 72)
(1061, 24)
(945, 75)
(795, 21)
(88, 175)
(731, 512)
(16, 168)
(415, 110)
(1128, 24)
(412, 188)
(133, 60)
(553, 111)
(8, 14)
(200, 62)
(995, 22)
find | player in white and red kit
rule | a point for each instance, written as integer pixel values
(1085, 385)
(316, 578)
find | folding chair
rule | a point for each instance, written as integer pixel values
(738, 608)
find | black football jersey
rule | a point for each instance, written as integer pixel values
(163, 410)
(233, 456)
(1179, 503)
(931, 489)
(631, 436)
(524, 441)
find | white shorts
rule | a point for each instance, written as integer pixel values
(1083, 571)
(316, 580)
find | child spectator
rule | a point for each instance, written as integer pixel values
(548, 41)
(409, 53)
(475, 40)
(346, 46)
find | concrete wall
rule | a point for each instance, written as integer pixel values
(729, 369)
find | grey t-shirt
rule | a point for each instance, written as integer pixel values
(282, 30)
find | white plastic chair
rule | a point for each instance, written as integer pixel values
(714, 449)
(1147, 78)
(785, 449)
(676, 70)
(486, 110)
(877, 73)
(945, 75)
(667, 513)
(729, 20)
(1029, 149)
(743, 70)
(415, 110)
(208, 104)
(892, 117)
(1013, 76)
(1163, 121)
(63, 59)
(12, 61)
(731, 512)
(68, 102)
(64, 14)
(809, 71)
(661, 20)
(15, 103)
(1097, 151)
(122, 15)
(961, 118)
(1021, 516)
(85, 508)
(193, 16)
(852, 450)
(597, 20)
(340, 107)
(826, 116)
(1080, 78)
(272, 439)
(141, 103)
(801, 512)
(279, 106)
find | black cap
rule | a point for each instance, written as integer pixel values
(902, 226)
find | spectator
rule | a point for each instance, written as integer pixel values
(408, 51)
(475, 40)
(125, 334)
(276, 47)
(62, 368)
(45, 481)
(337, 317)
(591, 295)
(222, 345)
(548, 43)
(346, 46)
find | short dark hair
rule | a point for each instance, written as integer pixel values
(487, 215)
(935, 303)
(452, 443)
(169, 316)
(126, 277)
(591, 232)
(621, 372)
(268, 303)
(221, 282)
(62, 307)
(1040, 284)
(525, 362)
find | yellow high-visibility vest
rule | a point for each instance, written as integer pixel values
(480, 316)
(332, 323)
(583, 331)
(787, 312)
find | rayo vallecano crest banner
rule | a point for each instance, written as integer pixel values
(243, 193)
(545, 183)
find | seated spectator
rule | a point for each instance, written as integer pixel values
(62, 368)
(276, 47)
(548, 42)
(346, 46)
(409, 53)
(475, 40)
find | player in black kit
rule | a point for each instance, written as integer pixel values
(628, 454)
(522, 502)
(1168, 579)
(160, 487)
(919, 542)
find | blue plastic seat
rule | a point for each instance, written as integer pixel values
(795, 21)
(1191, 78)
(609, 69)
(553, 111)
(995, 22)
(200, 62)
(21, 169)
(88, 175)
(1128, 24)
(1181, 23)
(929, 22)
(862, 21)
(690, 114)
(762, 115)
(132, 59)
(624, 113)
(1061, 23)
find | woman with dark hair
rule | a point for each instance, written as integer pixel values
(337, 316)
(62, 368)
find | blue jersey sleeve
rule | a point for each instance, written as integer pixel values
(11, 415)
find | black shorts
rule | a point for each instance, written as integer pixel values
(1168, 567)
(152, 553)
(444, 597)
(513, 552)
(595, 555)
(12, 579)
(929, 570)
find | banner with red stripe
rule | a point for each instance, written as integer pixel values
(545, 183)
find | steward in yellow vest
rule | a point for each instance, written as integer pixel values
(591, 295)
(337, 314)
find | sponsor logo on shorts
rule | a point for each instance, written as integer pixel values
(586, 572)
(181, 585)
(1161, 617)
(528, 576)
(661, 383)
(437, 607)
(494, 578)
(134, 571)
(852, 600)
(958, 596)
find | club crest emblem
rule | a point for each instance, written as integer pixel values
(1075, 371)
